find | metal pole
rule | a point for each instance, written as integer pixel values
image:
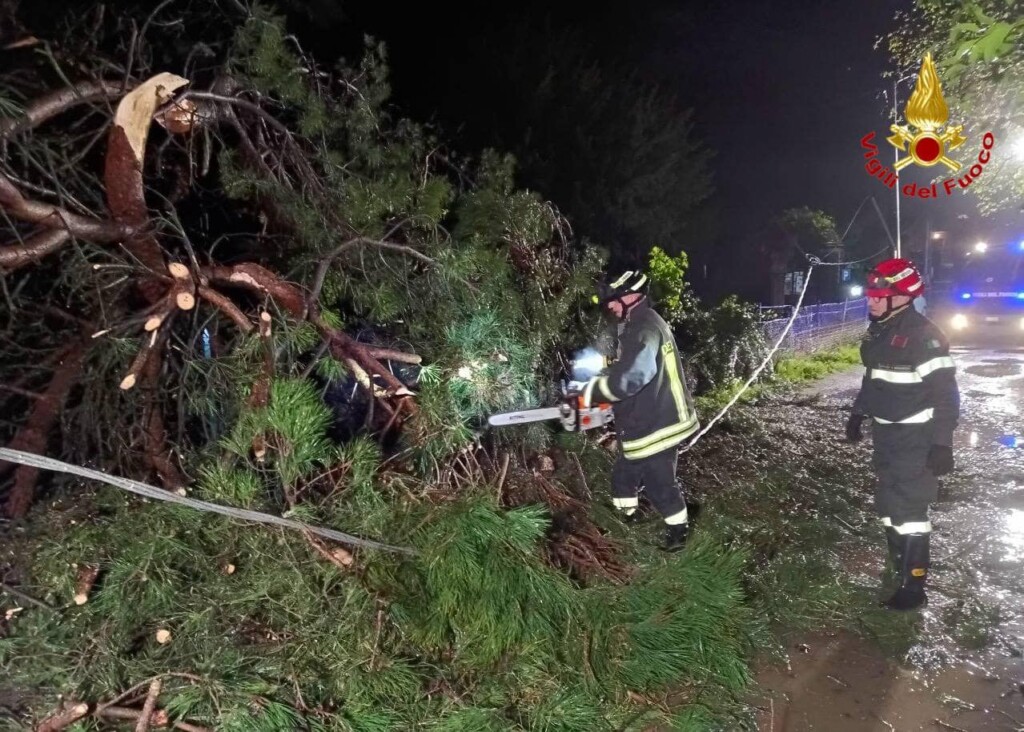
(896, 158)
(927, 251)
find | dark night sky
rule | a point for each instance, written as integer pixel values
(782, 91)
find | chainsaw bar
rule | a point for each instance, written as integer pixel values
(525, 416)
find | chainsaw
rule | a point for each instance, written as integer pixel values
(571, 413)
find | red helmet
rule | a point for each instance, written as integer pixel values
(895, 277)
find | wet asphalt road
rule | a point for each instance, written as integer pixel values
(966, 672)
(976, 610)
(980, 517)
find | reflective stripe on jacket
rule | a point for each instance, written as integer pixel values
(909, 376)
(653, 408)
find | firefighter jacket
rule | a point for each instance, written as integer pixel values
(909, 377)
(652, 405)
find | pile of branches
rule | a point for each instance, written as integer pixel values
(160, 278)
(191, 238)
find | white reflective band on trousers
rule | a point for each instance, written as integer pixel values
(919, 418)
(677, 518)
(626, 502)
(914, 527)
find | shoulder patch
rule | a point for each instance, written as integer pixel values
(899, 341)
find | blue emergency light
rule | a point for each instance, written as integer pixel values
(965, 296)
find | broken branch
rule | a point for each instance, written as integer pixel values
(149, 706)
(183, 289)
(224, 304)
(87, 575)
(54, 103)
(160, 717)
(155, 436)
(126, 147)
(62, 719)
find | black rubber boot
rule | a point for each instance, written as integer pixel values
(894, 565)
(913, 573)
(632, 519)
(676, 536)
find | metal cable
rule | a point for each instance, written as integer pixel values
(45, 463)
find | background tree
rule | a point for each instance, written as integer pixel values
(618, 153)
(977, 45)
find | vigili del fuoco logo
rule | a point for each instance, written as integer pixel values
(927, 140)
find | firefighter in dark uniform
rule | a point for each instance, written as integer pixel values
(910, 392)
(653, 408)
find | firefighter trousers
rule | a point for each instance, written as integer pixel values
(657, 476)
(905, 486)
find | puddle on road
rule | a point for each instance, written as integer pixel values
(995, 370)
(1013, 536)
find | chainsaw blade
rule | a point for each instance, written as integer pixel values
(525, 416)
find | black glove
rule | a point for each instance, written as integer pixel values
(853, 427)
(940, 459)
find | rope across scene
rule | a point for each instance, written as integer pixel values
(758, 370)
(45, 463)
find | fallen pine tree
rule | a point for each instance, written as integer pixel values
(201, 226)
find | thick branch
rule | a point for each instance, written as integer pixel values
(155, 437)
(16, 255)
(63, 719)
(389, 354)
(122, 175)
(288, 296)
(52, 104)
(259, 279)
(33, 435)
(224, 304)
(125, 198)
(56, 217)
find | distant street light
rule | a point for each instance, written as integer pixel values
(981, 247)
(856, 291)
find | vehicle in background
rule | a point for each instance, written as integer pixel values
(986, 301)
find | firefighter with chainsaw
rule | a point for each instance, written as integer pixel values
(910, 392)
(652, 406)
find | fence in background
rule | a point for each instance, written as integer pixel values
(817, 327)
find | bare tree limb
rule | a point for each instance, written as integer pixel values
(38, 245)
(54, 103)
(55, 217)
